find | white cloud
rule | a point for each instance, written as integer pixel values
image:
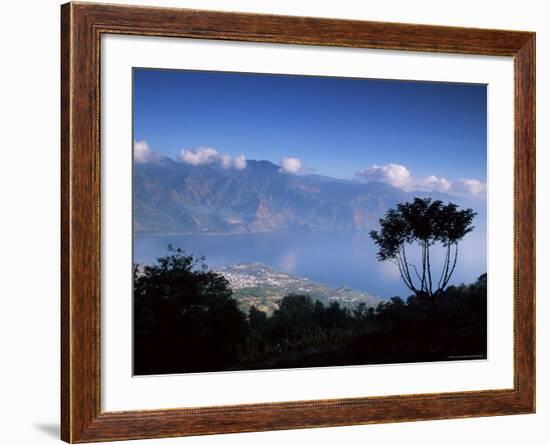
(208, 155)
(291, 165)
(471, 187)
(226, 161)
(201, 156)
(143, 153)
(394, 174)
(430, 183)
(239, 162)
(400, 176)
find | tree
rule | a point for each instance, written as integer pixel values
(185, 317)
(257, 319)
(294, 315)
(423, 222)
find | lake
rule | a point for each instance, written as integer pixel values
(333, 258)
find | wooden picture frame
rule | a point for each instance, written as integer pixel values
(82, 25)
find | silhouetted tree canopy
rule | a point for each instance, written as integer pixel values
(187, 320)
(423, 222)
(185, 315)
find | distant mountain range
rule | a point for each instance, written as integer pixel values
(262, 286)
(174, 197)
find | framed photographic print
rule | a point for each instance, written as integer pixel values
(278, 222)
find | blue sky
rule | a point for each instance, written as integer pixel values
(334, 126)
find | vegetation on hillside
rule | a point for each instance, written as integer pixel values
(186, 319)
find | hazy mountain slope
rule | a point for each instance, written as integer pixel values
(173, 197)
(262, 286)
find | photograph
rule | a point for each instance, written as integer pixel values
(280, 219)
(291, 221)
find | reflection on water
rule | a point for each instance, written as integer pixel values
(333, 258)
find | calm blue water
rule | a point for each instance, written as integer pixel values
(333, 258)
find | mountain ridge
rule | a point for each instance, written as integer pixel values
(174, 197)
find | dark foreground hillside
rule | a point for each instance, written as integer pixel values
(187, 320)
